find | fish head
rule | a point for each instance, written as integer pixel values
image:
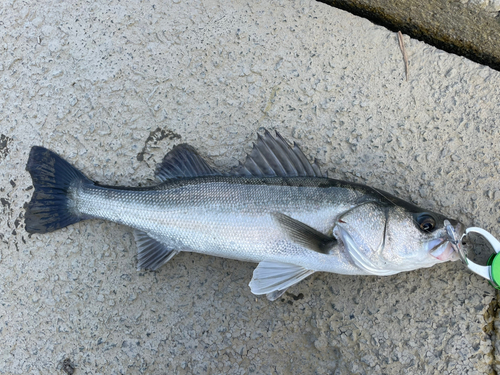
(385, 239)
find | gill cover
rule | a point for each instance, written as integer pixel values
(363, 231)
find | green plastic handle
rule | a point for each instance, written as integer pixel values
(491, 271)
(494, 263)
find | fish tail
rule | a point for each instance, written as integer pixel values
(52, 204)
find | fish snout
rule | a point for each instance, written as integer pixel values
(449, 247)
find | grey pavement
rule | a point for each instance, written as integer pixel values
(112, 87)
(469, 28)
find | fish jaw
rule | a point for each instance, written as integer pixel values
(444, 252)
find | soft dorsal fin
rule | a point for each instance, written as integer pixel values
(272, 157)
(183, 161)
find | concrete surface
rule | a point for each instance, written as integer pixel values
(467, 28)
(114, 86)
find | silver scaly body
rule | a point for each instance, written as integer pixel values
(230, 217)
(275, 209)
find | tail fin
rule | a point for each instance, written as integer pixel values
(51, 205)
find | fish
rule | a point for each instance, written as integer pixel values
(275, 209)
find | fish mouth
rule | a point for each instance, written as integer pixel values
(444, 252)
(450, 247)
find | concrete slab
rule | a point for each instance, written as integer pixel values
(113, 87)
(467, 28)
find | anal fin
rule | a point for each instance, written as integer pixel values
(151, 254)
(273, 278)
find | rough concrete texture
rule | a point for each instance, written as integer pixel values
(491, 7)
(112, 87)
(467, 28)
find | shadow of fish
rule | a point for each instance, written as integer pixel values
(275, 209)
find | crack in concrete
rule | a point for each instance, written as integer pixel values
(4, 146)
(491, 317)
(155, 137)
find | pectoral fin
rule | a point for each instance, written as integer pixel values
(273, 279)
(304, 235)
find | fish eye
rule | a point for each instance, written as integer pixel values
(426, 222)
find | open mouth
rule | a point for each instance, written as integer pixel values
(450, 247)
(444, 252)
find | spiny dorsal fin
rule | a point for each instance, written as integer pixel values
(273, 278)
(305, 235)
(151, 254)
(271, 157)
(183, 161)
